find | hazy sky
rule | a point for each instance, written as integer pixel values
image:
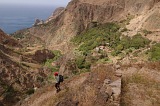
(35, 2)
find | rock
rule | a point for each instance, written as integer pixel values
(56, 13)
(97, 49)
(117, 66)
(118, 75)
(107, 81)
(116, 87)
(38, 22)
(119, 71)
(116, 83)
(109, 91)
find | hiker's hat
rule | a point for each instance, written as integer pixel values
(56, 73)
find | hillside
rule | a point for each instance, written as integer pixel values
(19, 73)
(107, 50)
(102, 87)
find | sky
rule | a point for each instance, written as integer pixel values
(35, 2)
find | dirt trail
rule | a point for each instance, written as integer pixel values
(16, 59)
(41, 98)
(49, 92)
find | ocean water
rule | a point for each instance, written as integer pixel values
(13, 18)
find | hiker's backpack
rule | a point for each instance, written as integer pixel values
(61, 78)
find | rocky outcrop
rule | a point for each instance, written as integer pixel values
(38, 22)
(57, 12)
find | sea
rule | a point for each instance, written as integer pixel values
(16, 17)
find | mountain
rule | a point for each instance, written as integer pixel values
(79, 14)
(108, 52)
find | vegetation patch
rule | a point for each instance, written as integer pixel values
(51, 64)
(30, 91)
(97, 36)
(154, 53)
(146, 32)
(108, 36)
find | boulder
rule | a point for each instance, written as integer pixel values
(117, 66)
(107, 81)
(116, 87)
(118, 73)
(38, 22)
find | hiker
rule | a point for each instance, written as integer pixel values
(59, 79)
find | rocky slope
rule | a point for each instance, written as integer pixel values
(105, 85)
(98, 87)
(8, 40)
(19, 74)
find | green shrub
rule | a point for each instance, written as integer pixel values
(104, 60)
(49, 62)
(125, 41)
(103, 54)
(80, 62)
(138, 41)
(84, 70)
(87, 65)
(146, 32)
(155, 52)
(119, 47)
(115, 53)
(57, 54)
(124, 30)
(30, 91)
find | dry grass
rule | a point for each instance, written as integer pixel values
(140, 90)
